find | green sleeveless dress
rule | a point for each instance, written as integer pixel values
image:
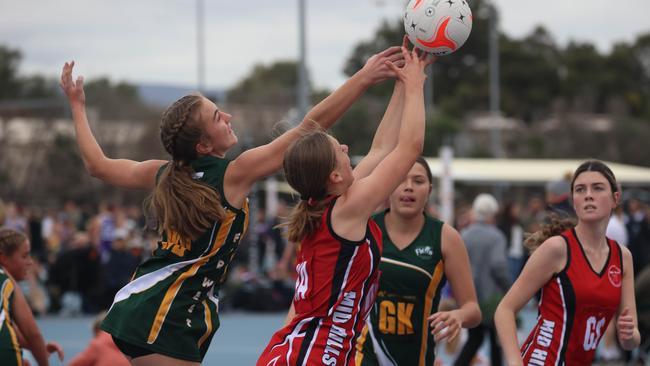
(171, 305)
(397, 331)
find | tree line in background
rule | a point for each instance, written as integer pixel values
(540, 81)
(49, 169)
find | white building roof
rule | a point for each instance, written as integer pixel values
(531, 171)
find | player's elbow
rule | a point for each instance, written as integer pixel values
(418, 144)
(412, 148)
(96, 168)
(502, 311)
(93, 170)
(97, 172)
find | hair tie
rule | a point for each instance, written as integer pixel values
(309, 200)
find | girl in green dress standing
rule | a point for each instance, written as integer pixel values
(419, 253)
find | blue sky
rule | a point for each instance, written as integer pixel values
(155, 41)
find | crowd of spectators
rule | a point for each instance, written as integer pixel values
(83, 254)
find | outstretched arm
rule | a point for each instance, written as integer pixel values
(374, 71)
(363, 196)
(262, 161)
(120, 172)
(385, 138)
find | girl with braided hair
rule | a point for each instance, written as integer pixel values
(17, 325)
(586, 280)
(168, 313)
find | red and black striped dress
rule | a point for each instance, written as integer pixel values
(336, 286)
(575, 309)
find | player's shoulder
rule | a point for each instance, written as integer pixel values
(552, 254)
(625, 254)
(450, 233)
(555, 245)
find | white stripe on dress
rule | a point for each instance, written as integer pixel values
(564, 315)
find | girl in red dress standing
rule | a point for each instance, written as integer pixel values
(586, 280)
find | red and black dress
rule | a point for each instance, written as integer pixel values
(336, 286)
(575, 309)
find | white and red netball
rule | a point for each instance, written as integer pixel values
(438, 26)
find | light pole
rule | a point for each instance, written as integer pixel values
(495, 91)
(200, 46)
(303, 88)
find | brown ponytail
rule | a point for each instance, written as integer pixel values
(556, 226)
(304, 219)
(181, 203)
(307, 166)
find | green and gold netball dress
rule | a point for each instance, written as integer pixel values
(10, 352)
(171, 305)
(397, 331)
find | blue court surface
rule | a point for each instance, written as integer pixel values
(239, 341)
